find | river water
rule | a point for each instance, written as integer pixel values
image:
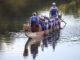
(62, 45)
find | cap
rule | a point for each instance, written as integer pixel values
(44, 16)
(60, 14)
(53, 3)
(34, 13)
(41, 17)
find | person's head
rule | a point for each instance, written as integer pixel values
(51, 17)
(25, 27)
(54, 4)
(42, 19)
(34, 13)
(45, 17)
(56, 19)
(59, 16)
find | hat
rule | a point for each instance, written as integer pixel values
(41, 17)
(60, 14)
(34, 13)
(53, 3)
(56, 18)
(45, 16)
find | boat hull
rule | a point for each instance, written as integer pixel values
(35, 34)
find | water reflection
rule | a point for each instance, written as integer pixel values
(33, 45)
(10, 40)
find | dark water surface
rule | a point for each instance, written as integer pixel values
(62, 45)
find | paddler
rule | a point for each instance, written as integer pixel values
(46, 25)
(41, 23)
(46, 21)
(50, 25)
(53, 10)
(60, 20)
(57, 23)
(34, 22)
(53, 18)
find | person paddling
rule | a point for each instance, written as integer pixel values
(46, 21)
(34, 22)
(53, 10)
(50, 25)
(46, 25)
(41, 23)
(60, 20)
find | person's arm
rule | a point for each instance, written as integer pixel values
(40, 29)
(63, 21)
(57, 11)
(50, 12)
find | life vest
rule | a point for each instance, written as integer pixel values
(46, 24)
(50, 23)
(53, 11)
(42, 25)
(34, 23)
(33, 26)
(34, 19)
(58, 21)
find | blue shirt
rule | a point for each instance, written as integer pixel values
(42, 25)
(34, 19)
(53, 11)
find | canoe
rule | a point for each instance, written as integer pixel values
(36, 34)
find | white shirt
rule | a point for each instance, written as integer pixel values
(46, 21)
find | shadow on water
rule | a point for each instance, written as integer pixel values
(33, 45)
